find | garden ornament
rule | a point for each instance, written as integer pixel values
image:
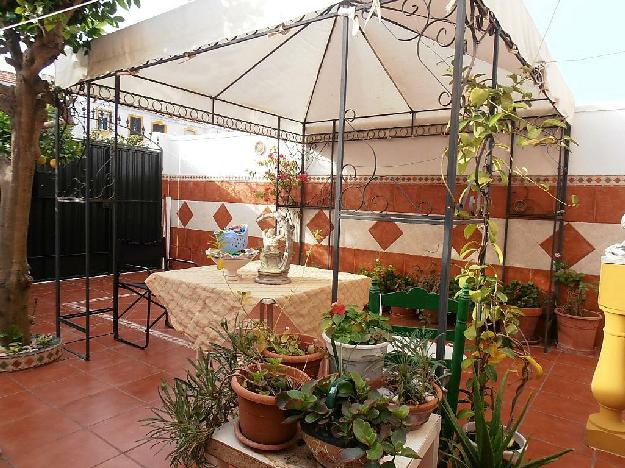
(275, 258)
(616, 253)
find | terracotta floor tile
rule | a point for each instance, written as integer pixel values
(77, 385)
(573, 372)
(124, 431)
(149, 456)
(100, 360)
(8, 385)
(100, 406)
(578, 360)
(20, 405)
(568, 388)
(566, 408)
(38, 376)
(127, 372)
(555, 430)
(539, 449)
(146, 389)
(32, 431)
(81, 449)
(609, 459)
(121, 461)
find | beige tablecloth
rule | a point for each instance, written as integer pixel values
(198, 298)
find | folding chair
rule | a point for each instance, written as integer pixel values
(132, 257)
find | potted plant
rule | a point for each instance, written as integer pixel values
(529, 299)
(485, 442)
(261, 423)
(300, 351)
(358, 340)
(346, 424)
(577, 326)
(17, 353)
(386, 276)
(410, 376)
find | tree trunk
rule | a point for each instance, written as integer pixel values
(16, 181)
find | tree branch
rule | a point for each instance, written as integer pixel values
(12, 39)
(7, 99)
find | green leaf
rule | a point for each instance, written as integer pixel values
(478, 96)
(408, 452)
(398, 437)
(375, 452)
(499, 252)
(554, 123)
(363, 432)
(469, 229)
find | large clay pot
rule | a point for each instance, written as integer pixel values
(367, 360)
(260, 419)
(509, 455)
(578, 333)
(528, 322)
(308, 363)
(326, 453)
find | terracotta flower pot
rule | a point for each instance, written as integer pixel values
(418, 415)
(326, 453)
(578, 333)
(308, 363)
(260, 419)
(528, 322)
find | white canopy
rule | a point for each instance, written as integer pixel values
(203, 56)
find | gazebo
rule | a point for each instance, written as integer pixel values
(336, 75)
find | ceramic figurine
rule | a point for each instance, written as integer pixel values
(275, 258)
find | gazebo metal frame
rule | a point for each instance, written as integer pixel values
(479, 20)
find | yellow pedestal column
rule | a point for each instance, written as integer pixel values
(605, 430)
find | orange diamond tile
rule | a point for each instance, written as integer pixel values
(267, 223)
(574, 247)
(385, 233)
(185, 214)
(321, 224)
(222, 217)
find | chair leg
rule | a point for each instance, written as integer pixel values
(147, 324)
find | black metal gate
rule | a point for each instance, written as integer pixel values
(139, 209)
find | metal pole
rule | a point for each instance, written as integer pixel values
(331, 189)
(339, 163)
(114, 211)
(504, 274)
(87, 222)
(452, 156)
(57, 221)
(301, 198)
(278, 168)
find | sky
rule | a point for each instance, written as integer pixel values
(575, 30)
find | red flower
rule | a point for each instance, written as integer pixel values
(303, 177)
(338, 309)
(283, 176)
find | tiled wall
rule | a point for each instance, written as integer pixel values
(201, 205)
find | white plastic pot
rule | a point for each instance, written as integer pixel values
(367, 360)
(508, 455)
